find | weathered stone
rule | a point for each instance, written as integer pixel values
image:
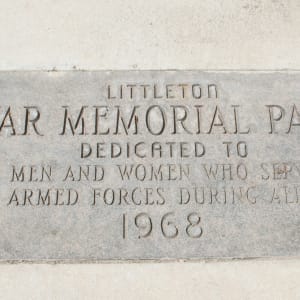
(149, 165)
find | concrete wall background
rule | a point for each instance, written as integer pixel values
(156, 34)
(234, 280)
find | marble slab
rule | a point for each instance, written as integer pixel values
(149, 165)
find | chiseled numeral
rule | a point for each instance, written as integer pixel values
(169, 227)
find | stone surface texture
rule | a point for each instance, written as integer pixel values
(149, 165)
(152, 35)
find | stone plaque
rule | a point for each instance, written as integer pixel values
(149, 165)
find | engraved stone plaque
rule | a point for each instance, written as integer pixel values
(136, 165)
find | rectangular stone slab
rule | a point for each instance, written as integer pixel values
(138, 165)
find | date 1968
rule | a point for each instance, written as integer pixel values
(168, 227)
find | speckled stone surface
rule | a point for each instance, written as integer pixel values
(149, 165)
